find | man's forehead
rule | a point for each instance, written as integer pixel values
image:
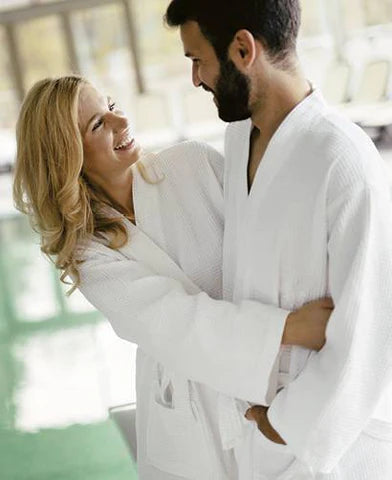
(193, 39)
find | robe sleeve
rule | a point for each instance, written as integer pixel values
(218, 343)
(323, 411)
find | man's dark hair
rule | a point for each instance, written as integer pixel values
(273, 22)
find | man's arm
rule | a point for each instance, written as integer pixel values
(322, 412)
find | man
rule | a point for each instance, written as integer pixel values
(308, 214)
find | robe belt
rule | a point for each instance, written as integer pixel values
(232, 421)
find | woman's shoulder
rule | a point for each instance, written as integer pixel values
(189, 157)
(94, 247)
(188, 147)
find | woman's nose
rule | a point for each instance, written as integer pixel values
(119, 121)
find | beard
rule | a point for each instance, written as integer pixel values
(232, 93)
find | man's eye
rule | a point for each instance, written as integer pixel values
(97, 124)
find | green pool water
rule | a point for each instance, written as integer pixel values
(55, 365)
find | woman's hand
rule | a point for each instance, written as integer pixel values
(306, 326)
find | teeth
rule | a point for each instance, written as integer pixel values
(124, 143)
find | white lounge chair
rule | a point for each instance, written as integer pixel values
(369, 105)
(125, 418)
(336, 83)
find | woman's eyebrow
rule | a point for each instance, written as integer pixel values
(88, 123)
(108, 98)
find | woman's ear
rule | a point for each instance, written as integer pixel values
(244, 49)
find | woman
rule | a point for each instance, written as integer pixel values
(141, 237)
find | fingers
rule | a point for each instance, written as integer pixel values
(259, 415)
(256, 413)
(327, 302)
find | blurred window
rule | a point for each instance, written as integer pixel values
(160, 46)
(379, 12)
(41, 58)
(313, 18)
(362, 13)
(8, 97)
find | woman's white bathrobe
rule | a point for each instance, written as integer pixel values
(151, 292)
(317, 222)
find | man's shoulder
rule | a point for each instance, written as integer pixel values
(352, 156)
(341, 132)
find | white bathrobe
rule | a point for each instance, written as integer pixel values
(317, 222)
(160, 291)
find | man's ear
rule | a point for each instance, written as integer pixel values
(244, 49)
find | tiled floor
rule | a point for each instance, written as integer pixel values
(78, 452)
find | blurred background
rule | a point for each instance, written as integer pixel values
(61, 366)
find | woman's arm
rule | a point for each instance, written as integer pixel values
(231, 348)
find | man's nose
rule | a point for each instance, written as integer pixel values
(195, 75)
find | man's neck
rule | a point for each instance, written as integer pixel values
(283, 93)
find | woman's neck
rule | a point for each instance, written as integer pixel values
(119, 188)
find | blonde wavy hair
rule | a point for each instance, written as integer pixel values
(64, 207)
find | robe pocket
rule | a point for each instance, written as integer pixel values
(174, 434)
(264, 442)
(379, 429)
(269, 458)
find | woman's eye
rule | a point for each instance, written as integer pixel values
(97, 124)
(111, 106)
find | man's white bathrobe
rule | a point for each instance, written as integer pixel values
(160, 291)
(317, 222)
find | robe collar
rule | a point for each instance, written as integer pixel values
(300, 118)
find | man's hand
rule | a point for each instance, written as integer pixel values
(259, 415)
(306, 326)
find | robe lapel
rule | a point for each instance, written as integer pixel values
(141, 247)
(250, 210)
(279, 149)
